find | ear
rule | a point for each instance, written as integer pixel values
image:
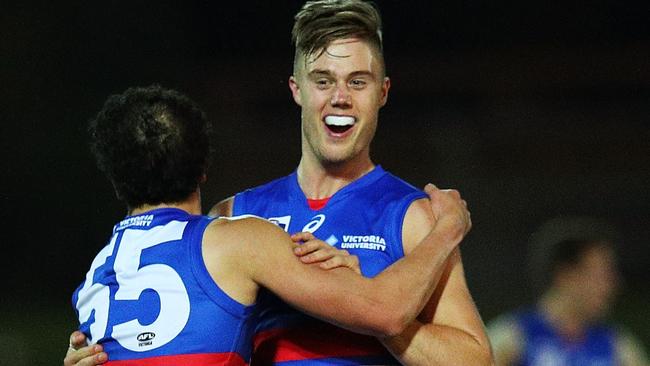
(295, 90)
(385, 86)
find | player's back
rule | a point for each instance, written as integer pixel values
(148, 297)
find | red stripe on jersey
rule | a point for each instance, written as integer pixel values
(199, 359)
(317, 204)
(312, 342)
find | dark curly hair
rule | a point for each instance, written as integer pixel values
(152, 143)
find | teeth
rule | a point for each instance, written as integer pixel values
(339, 120)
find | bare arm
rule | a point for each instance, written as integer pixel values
(449, 330)
(326, 255)
(379, 306)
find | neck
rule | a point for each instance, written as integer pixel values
(563, 314)
(191, 205)
(321, 180)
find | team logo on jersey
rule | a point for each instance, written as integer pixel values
(372, 242)
(146, 338)
(332, 240)
(314, 224)
(282, 222)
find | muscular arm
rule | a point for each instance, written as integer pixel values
(383, 305)
(449, 330)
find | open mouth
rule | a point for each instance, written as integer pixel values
(339, 124)
(338, 129)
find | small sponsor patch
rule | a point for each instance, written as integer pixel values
(372, 242)
(146, 338)
(142, 220)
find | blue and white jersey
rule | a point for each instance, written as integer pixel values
(543, 346)
(149, 300)
(365, 218)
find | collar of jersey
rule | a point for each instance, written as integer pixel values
(158, 215)
(362, 182)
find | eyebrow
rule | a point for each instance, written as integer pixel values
(322, 72)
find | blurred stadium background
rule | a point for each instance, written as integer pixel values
(531, 109)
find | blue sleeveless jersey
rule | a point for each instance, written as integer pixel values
(365, 218)
(543, 346)
(149, 299)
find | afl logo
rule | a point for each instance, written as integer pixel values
(314, 224)
(146, 336)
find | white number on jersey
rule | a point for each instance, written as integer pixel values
(132, 280)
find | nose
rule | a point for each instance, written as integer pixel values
(341, 97)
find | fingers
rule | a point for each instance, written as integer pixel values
(349, 261)
(435, 194)
(454, 193)
(302, 237)
(79, 354)
(313, 250)
(316, 251)
(449, 203)
(77, 339)
(85, 356)
(430, 189)
(311, 246)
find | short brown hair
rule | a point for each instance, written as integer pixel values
(320, 22)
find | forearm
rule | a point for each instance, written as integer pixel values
(432, 344)
(415, 276)
(401, 291)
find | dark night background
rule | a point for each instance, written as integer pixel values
(531, 109)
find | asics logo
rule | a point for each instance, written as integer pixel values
(314, 224)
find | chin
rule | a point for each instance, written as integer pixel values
(336, 158)
(331, 161)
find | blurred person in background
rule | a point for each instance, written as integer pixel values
(574, 266)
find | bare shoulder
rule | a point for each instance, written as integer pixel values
(231, 256)
(418, 221)
(239, 251)
(243, 233)
(222, 208)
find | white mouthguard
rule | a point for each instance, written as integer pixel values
(339, 120)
